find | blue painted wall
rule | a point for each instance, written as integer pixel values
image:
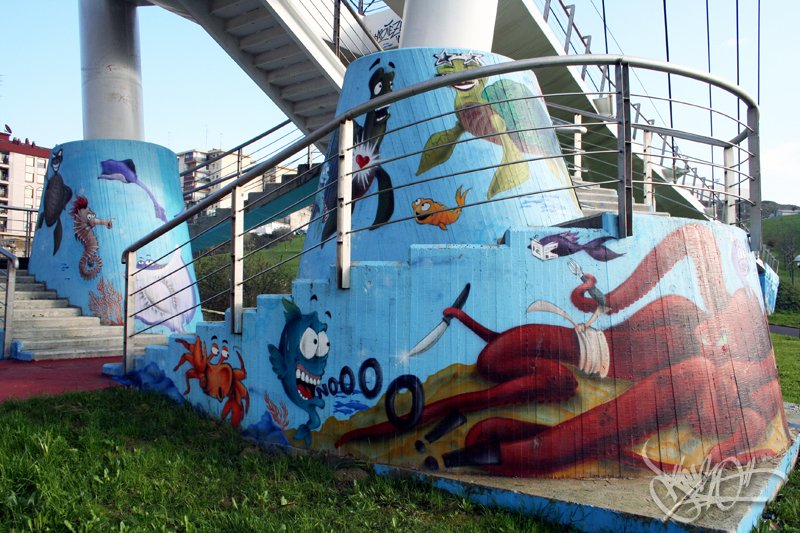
(487, 339)
(385, 139)
(99, 197)
(700, 311)
(769, 286)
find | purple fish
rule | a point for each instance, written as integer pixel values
(567, 244)
(125, 171)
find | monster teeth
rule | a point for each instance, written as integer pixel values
(297, 373)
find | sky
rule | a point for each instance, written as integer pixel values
(196, 97)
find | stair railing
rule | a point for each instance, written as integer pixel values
(12, 264)
(617, 155)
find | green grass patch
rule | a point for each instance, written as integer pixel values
(119, 460)
(787, 357)
(785, 319)
(214, 273)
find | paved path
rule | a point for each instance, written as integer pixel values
(20, 380)
(785, 330)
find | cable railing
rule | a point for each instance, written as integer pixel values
(602, 152)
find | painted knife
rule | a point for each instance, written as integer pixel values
(436, 333)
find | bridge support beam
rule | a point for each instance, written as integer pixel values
(111, 73)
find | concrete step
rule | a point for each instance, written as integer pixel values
(44, 312)
(72, 332)
(88, 343)
(35, 295)
(40, 304)
(21, 286)
(56, 322)
(71, 353)
(86, 349)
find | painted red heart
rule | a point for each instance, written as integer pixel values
(362, 160)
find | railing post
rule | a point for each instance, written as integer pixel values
(8, 319)
(570, 9)
(237, 265)
(343, 207)
(588, 42)
(729, 211)
(28, 234)
(624, 151)
(129, 319)
(546, 10)
(649, 197)
(337, 13)
(577, 157)
(754, 170)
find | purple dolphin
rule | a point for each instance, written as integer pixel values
(125, 171)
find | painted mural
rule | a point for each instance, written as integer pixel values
(492, 137)
(85, 221)
(488, 340)
(437, 365)
(83, 196)
(216, 377)
(55, 199)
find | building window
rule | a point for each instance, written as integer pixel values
(40, 178)
(28, 192)
(28, 160)
(41, 163)
(29, 176)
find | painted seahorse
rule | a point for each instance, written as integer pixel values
(84, 221)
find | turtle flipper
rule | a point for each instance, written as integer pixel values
(508, 175)
(57, 236)
(385, 197)
(439, 147)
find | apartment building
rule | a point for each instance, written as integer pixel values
(23, 166)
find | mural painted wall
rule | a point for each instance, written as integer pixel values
(769, 287)
(486, 339)
(99, 197)
(556, 353)
(513, 138)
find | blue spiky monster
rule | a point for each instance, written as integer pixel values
(299, 362)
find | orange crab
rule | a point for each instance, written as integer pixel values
(217, 379)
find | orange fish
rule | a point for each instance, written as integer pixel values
(428, 211)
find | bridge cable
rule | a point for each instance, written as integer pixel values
(669, 85)
(710, 104)
(605, 26)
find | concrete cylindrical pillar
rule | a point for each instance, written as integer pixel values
(111, 73)
(450, 23)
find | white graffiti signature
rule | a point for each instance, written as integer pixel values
(684, 494)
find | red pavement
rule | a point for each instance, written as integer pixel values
(20, 380)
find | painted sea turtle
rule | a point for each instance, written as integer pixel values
(511, 121)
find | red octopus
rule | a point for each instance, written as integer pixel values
(217, 379)
(712, 367)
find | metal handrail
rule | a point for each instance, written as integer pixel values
(12, 264)
(622, 64)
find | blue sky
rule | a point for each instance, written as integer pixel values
(196, 97)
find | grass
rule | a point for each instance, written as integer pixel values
(785, 319)
(216, 276)
(72, 463)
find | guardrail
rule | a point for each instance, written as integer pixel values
(12, 264)
(603, 150)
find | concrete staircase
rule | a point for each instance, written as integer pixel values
(597, 199)
(46, 327)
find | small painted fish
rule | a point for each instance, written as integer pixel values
(429, 211)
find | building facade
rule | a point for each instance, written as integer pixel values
(23, 166)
